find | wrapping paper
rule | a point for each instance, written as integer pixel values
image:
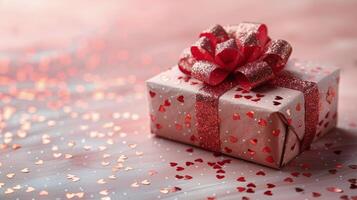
(265, 125)
(74, 101)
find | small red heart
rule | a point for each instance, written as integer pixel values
(189, 150)
(241, 179)
(248, 96)
(189, 163)
(316, 194)
(262, 122)
(240, 189)
(276, 132)
(260, 95)
(211, 163)
(270, 185)
(193, 138)
(307, 174)
(266, 149)
(236, 116)
(188, 177)
(269, 159)
(296, 174)
(152, 94)
(251, 185)
(237, 96)
(179, 177)
(260, 173)
(250, 114)
(227, 150)
(158, 126)
(268, 192)
(180, 99)
(178, 127)
(276, 103)
(180, 169)
(167, 103)
(233, 139)
(217, 167)
(162, 108)
(227, 161)
(199, 160)
(221, 163)
(221, 171)
(219, 176)
(278, 98)
(250, 190)
(288, 179)
(173, 164)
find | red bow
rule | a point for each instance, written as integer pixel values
(244, 51)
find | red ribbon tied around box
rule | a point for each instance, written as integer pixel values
(247, 55)
(244, 51)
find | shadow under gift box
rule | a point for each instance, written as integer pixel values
(264, 126)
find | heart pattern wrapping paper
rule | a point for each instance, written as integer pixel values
(74, 111)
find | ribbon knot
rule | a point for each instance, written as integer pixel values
(244, 52)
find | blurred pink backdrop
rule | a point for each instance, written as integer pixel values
(70, 70)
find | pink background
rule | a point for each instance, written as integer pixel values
(73, 96)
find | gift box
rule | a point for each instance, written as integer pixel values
(246, 115)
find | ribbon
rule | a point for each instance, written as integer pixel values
(241, 55)
(244, 51)
(311, 97)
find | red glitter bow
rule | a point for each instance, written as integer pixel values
(243, 51)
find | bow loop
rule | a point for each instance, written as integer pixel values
(244, 51)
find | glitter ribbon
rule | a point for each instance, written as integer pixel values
(311, 98)
(243, 51)
(207, 116)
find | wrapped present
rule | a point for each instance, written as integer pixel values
(235, 92)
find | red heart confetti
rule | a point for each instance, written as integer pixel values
(241, 179)
(316, 194)
(241, 189)
(179, 168)
(268, 192)
(276, 132)
(233, 139)
(262, 122)
(288, 179)
(199, 160)
(167, 103)
(236, 116)
(260, 173)
(250, 114)
(180, 99)
(220, 176)
(251, 185)
(162, 108)
(173, 164)
(152, 94)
